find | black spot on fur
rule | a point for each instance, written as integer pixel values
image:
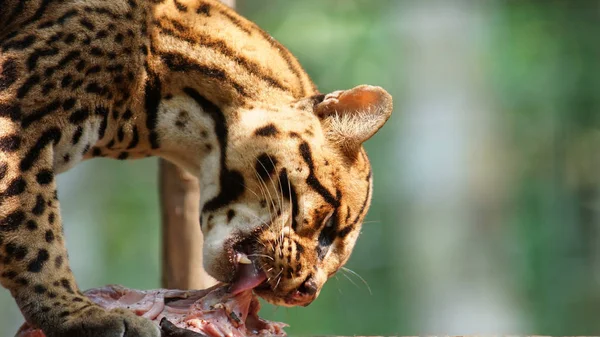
(79, 116)
(66, 81)
(58, 261)
(265, 165)
(55, 37)
(151, 103)
(8, 76)
(44, 177)
(72, 55)
(135, 138)
(119, 38)
(127, 115)
(13, 112)
(67, 285)
(16, 187)
(87, 23)
(3, 170)
(47, 88)
(20, 253)
(268, 130)
(123, 156)
(101, 34)
(12, 221)
(31, 225)
(21, 281)
(204, 9)
(180, 7)
(230, 215)
(66, 16)
(10, 143)
(80, 65)
(36, 265)
(41, 113)
(51, 218)
(96, 152)
(49, 236)
(37, 54)
(51, 135)
(299, 250)
(93, 70)
(94, 88)
(19, 44)
(104, 123)
(70, 38)
(39, 289)
(40, 205)
(11, 274)
(28, 85)
(76, 84)
(77, 135)
(96, 51)
(120, 134)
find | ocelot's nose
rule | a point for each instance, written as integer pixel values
(304, 294)
(309, 287)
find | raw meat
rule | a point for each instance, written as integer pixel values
(214, 312)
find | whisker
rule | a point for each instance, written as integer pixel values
(262, 255)
(360, 277)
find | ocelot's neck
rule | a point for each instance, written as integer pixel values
(211, 65)
(205, 66)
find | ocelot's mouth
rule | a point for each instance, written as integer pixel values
(248, 273)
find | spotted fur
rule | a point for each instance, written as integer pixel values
(283, 175)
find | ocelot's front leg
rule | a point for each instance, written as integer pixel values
(33, 258)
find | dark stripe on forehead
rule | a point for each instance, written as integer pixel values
(312, 179)
(231, 182)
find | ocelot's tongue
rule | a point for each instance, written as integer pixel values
(248, 277)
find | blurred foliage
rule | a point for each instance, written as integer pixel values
(542, 72)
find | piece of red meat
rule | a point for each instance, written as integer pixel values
(213, 312)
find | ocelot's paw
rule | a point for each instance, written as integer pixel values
(102, 323)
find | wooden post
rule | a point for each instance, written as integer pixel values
(181, 234)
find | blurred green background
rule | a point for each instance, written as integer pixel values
(486, 209)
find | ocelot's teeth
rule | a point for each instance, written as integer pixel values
(244, 260)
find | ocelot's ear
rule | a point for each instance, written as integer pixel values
(350, 117)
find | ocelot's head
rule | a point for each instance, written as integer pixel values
(294, 184)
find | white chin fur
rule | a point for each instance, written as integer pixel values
(216, 255)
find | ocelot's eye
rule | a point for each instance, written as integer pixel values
(328, 230)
